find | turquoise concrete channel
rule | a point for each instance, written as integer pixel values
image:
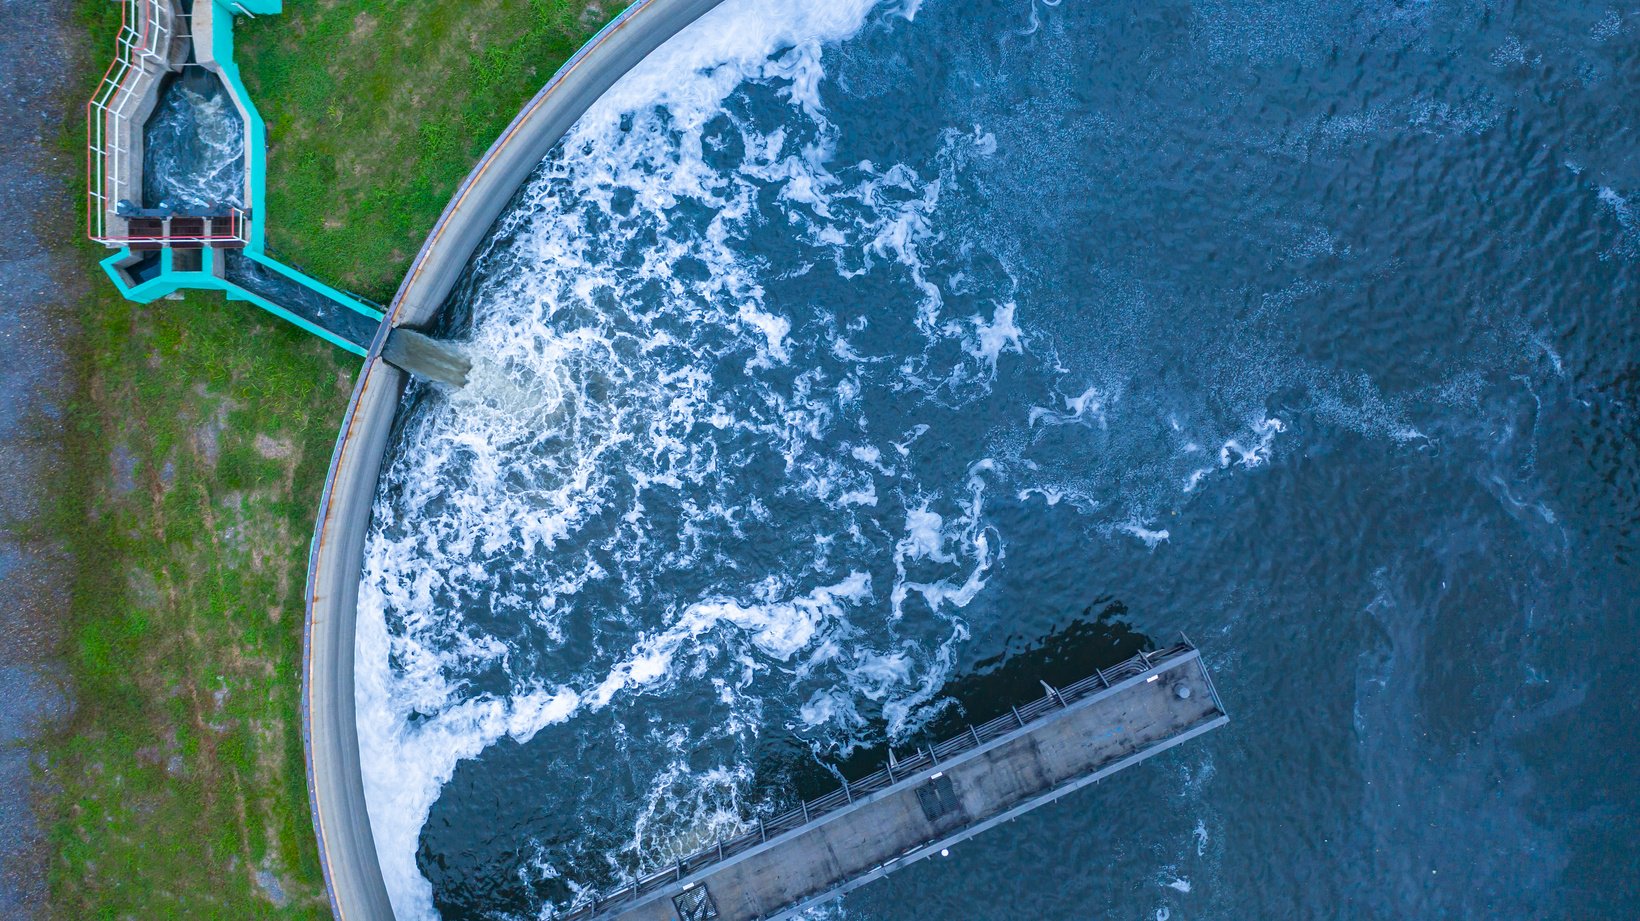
(343, 319)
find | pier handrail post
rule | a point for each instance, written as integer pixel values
(890, 817)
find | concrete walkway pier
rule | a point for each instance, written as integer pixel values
(939, 796)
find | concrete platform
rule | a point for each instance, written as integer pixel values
(940, 796)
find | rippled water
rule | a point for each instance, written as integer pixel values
(194, 153)
(854, 365)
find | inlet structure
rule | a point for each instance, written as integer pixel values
(164, 246)
(918, 805)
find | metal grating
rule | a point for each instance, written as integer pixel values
(938, 797)
(695, 904)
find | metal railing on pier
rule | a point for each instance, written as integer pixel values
(896, 770)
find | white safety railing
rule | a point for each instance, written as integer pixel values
(143, 47)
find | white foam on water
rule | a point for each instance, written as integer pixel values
(406, 763)
(1000, 335)
(405, 766)
(694, 72)
(581, 404)
(685, 810)
(1152, 537)
(774, 330)
(778, 629)
(632, 366)
(197, 148)
(1253, 452)
(1087, 408)
(1628, 245)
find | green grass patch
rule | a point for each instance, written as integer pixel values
(377, 109)
(186, 499)
(196, 441)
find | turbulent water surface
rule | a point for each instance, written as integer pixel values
(194, 145)
(854, 365)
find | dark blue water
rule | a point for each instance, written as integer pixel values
(851, 368)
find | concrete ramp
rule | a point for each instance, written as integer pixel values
(938, 797)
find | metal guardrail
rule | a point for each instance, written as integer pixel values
(896, 770)
(147, 29)
(144, 38)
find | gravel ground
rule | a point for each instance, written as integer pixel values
(42, 270)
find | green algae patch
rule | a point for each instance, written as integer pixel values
(377, 111)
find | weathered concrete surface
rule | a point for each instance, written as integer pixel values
(1094, 737)
(347, 851)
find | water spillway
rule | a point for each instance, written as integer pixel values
(303, 300)
(344, 317)
(826, 397)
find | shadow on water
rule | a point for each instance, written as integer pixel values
(786, 765)
(1101, 637)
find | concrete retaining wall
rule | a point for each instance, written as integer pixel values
(347, 850)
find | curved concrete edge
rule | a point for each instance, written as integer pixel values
(478, 203)
(341, 819)
(330, 732)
